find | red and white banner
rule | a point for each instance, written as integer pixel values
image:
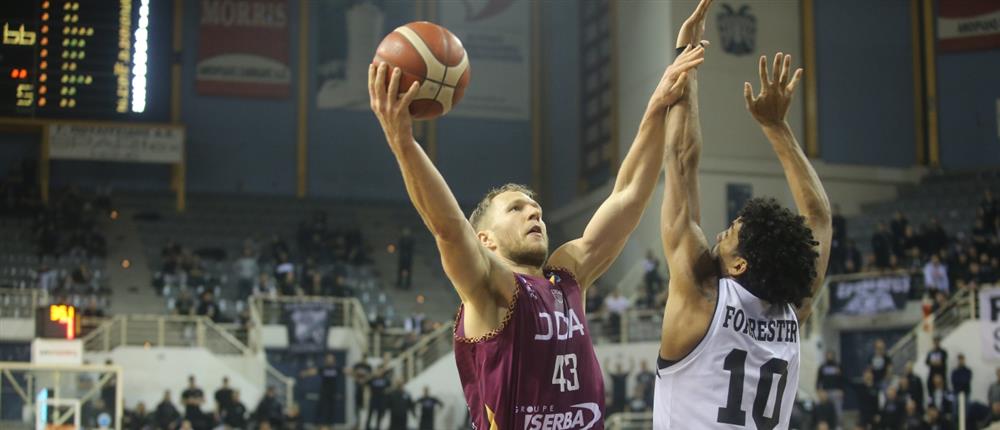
(965, 25)
(243, 48)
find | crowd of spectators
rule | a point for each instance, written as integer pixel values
(942, 262)
(904, 400)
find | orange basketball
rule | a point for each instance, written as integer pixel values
(430, 54)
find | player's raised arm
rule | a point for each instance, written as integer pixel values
(684, 244)
(605, 235)
(769, 108)
(465, 260)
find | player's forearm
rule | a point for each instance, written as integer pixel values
(675, 212)
(807, 190)
(642, 164)
(428, 190)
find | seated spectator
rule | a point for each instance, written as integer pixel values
(892, 413)
(852, 258)
(235, 415)
(270, 410)
(993, 395)
(184, 305)
(897, 228)
(936, 275)
(92, 310)
(137, 419)
(825, 411)
(936, 419)
(880, 363)
(941, 397)
(881, 246)
(166, 415)
(208, 307)
(246, 271)
(912, 420)
(265, 285)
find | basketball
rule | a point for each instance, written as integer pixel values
(430, 54)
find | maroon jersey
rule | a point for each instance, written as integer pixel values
(538, 370)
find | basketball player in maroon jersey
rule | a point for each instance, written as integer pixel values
(522, 345)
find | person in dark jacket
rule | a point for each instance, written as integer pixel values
(166, 415)
(961, 377)
(270, 410)
(400, 405)
(428, 405)
(825, 411)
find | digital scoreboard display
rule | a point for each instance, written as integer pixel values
(57, 321)
(73, 58)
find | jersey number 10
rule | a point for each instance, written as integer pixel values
(733, 412)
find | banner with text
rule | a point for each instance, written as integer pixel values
(989, 322)
(964, 25)
(307, 325)
(243, 48)
(869, 296)
(132, 143)
(497, 37)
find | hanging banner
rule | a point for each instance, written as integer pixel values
(989, 322)
(347, 34)
(869, 296)
(307, 325)
(964, 25)
(103, 142)
(243, 48)
(496, 35)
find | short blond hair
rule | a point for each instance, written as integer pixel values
(480, 211)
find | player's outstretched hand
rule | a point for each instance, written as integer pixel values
(694, 27)
(391, 108)
(674, 80)
(770, 106)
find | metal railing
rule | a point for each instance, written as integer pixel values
(163, 331)
(432, 346)
(630, 421)
(634, 325)
(960, 307)
(345, 312)
(21, 303)
(283, 385)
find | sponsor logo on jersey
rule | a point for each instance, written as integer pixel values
(582, 416)
(559, 325)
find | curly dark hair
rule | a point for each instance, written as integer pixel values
(780, 253)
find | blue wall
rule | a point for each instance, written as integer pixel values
(561, 89)
(864, 85)
(968, 89)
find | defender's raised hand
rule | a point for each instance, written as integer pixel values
(391, 108)
(674, 80)
(770, 106)
(694, 27)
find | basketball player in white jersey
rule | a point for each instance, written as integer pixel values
(729, 353)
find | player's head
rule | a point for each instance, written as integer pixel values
(770, 251)
(508, 221)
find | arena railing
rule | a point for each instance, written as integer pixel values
(635, 325)
(960, 307)
(163, 331)
(431, 347)
(629, 421)
(21, 302)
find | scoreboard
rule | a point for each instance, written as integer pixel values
(73, 58)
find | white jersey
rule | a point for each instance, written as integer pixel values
(743, 374)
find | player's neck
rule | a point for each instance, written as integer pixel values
(525, 269)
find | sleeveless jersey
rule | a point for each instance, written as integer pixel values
(538, 369)
(743, 374)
